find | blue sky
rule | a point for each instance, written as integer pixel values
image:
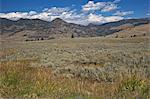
(75, 11)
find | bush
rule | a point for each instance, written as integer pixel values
(134, 87)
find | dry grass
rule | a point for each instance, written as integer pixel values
(7, 52)
(19, 80)
(78, 68)
(130, 31)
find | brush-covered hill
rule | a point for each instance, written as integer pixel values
(132, 31)
(36, 29)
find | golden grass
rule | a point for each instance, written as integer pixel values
(7, 52)
(88, 64)
(18, 79)
(29, 77)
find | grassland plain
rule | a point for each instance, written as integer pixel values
(79, 68)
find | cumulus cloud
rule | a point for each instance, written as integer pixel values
(123, 13)
(101, 6)
(14, 15)
(113, 18)
(93, 6)
(56, 11)
(32, 13)
(72, 15)
(109, 7)
(46, 14)
(93, 18)
(66, 14)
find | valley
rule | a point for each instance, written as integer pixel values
(97, 67)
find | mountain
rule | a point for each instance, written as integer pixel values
(134, 22)
(36, 29)
(129, 31)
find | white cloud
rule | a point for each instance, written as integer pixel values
(93, 6)
(46, 14)
(101, 6)
(14, 15)
(109, 7)
(98, 19)
(32, 13)
(56, 11)
(116, 1)
(69, 15)
(93, 18)
(113, 18)
(123, 13)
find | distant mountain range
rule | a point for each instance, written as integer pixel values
(36, 29)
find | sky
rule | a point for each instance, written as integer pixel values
(75, 11)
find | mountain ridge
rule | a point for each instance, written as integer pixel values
(35, 29)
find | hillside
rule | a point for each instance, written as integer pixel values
(131, 31)
(36, 29)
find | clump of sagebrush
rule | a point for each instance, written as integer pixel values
(134, 87)
(76, 68)
(19, 80)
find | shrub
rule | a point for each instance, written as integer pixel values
(134, 87)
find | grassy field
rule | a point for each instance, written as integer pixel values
(79, 68)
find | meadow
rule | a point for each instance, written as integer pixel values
(78, 68)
